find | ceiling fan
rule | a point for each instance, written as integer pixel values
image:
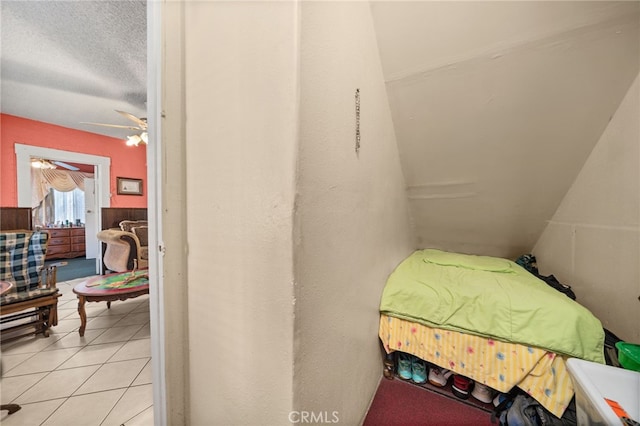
(41, 163)
(134, 140)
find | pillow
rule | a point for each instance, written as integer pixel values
(467, 261)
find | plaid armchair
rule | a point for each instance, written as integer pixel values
(32, 302)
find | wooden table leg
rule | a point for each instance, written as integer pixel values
(83, 314)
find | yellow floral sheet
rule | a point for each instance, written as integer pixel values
(499, 365)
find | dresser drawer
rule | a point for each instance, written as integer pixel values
(77, 240)
(77, 232)
(59, 241)
(56, 250)
(78, 248)
(58, 232)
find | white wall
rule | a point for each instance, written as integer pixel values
(593, 241)
(241, 114)
(496, 107)
(352, 224)
(247, 112)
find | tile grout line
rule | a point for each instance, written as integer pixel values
(137, 309)
(54, 411)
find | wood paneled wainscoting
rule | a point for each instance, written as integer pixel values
(112, 216)
(15, 218)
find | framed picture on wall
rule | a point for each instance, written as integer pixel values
(129, 186)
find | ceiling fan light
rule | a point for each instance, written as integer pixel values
(42, 164)
(133, 140)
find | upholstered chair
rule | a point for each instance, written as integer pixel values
(123, 250)
(128, 225)
(140, 229)
(142, 232)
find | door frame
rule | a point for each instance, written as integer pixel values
(102, 175)
(155, 98)
(24, 153)
(93, 247)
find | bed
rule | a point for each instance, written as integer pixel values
(488, 319)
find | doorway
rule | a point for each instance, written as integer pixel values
(93, 203)
(156, 69)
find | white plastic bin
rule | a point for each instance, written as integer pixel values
(593, 382)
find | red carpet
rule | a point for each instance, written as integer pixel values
(400, 403)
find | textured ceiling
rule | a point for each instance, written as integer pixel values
(64, 62)
(496, 106)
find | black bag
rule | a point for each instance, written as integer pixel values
(519, 409)
(528, 262)
(562, 288)
(610, 350)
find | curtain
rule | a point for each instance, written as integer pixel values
(44, 213)
(42, 180)
(42, 199)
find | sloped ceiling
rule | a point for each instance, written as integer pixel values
(65, 62)
(496, 106)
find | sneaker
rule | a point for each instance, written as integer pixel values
(404, 366)
(482, 393)
(419, 370)
(388, 366)
(500, 397)
(439, 376)
(460, 387)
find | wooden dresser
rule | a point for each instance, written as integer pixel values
(65, 243)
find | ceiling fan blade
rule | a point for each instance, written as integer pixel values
(141, 121)
(66, 166)
(117, 126)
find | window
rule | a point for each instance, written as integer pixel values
(68, 206)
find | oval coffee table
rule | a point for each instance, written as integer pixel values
(109, 288)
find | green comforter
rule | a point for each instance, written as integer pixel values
(490, 297)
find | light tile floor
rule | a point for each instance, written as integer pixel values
(101, 379)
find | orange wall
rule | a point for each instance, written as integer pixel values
(126, 161)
